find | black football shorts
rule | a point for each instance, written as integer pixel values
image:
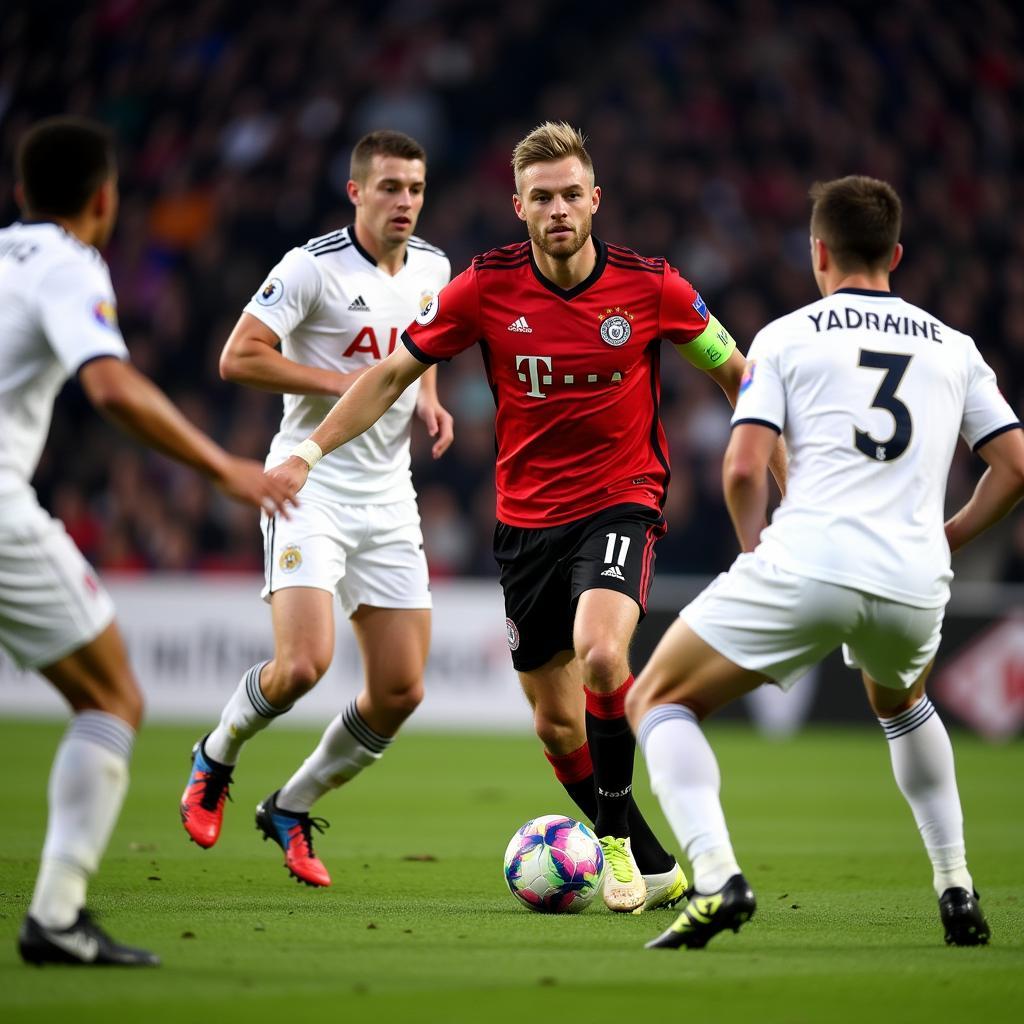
(544, 571)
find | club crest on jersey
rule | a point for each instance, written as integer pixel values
(615, 327)
(105, 314)
(701, 307)
(429, 304)
(511, 635)
(291, 558)
(271, 292)
(748, 375)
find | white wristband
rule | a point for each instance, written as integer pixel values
(309, 451)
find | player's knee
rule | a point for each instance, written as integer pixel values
(296, 676)
(401, 701)
(603, 667)
(890, 709)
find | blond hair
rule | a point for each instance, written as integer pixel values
(552, 140)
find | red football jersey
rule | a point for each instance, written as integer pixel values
(575, 375)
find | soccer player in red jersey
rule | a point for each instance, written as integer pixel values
(570, 329)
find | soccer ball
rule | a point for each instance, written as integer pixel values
(554, 865)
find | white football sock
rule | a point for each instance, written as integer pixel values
(347, 746)
(684, 775)
(245, 714)
(88, 782)
(922, 762)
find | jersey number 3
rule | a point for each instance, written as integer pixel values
(895, 367)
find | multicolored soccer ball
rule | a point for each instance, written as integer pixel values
(554, 865)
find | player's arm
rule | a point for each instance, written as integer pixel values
(362, 405)
(251, 357)
(728, 374)
(745, 480)
(702, 340)
(134, 403)
(999, 489)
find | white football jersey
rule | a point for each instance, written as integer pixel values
(332, 307)
(57, 312)
(870, 394)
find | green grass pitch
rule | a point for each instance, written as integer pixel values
(419, 926)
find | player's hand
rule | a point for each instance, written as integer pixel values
(290, 476)
(245, 481)
(439, 423)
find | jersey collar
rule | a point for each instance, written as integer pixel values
(351, 229)
(592, 277)
(874, 292)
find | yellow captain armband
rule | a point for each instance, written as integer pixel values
(710, 349)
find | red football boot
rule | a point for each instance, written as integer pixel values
(293, 832)
(202, 803)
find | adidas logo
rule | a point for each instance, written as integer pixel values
(359, 305)
(520, 326)
(615, 572)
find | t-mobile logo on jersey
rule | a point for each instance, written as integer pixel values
(534, 375)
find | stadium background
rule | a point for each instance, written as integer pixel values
(708, 119)
(707, 122)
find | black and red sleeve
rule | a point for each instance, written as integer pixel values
(683, 314)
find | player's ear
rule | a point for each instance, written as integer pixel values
(821, 255)
(352, 188)
(595, 199)
(897, 255)
(103, 199)
(19, 195)
(517, 203)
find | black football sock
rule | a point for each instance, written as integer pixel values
(651, 857)
(576, 774)
(612, 749)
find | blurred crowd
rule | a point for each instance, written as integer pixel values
(707, 122)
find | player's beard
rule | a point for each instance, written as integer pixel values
(546, 246)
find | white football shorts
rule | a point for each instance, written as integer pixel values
(768, 620)
(51, 602)
(366, 554)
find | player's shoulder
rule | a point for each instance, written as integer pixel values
(622, 258)
(43, 251)
(55, 244)
(505, 257)
(63, 241)
(799, 321)
(949, 335)
(422, 249)
(323, 245)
